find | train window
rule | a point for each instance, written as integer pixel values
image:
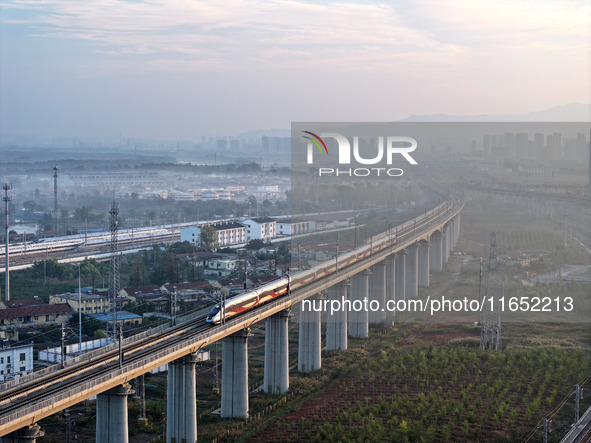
(214, 310)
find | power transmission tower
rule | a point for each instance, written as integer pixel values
(490, 337)
(114, 298)
(6, 187)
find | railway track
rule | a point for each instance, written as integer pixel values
(41, 394)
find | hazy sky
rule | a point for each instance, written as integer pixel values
(178, 69)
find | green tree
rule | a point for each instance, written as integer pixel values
(283, 254)
(255, 244)
(209, 238)
(252, 203)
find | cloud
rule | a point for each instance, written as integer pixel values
(191, 34)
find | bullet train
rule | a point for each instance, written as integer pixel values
(249, 300)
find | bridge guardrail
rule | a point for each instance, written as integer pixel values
(201, 337)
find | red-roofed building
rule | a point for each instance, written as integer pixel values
(37, 315)
(21, 302)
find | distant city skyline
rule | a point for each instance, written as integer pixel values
(179, 70)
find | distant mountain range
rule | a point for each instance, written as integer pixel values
(575, 112)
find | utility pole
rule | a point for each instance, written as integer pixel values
(55, 210)
(67, 415)
(578, 395)
(223, 307)
(173, 297)
(143, 418)
(79, 312)
(63, 345)
(337, 256)
(6, 187)
(120, 334)
(547, 429)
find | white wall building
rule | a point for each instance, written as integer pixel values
(263, 228)
(229, 233)
(292, 227)
(15, 361)
(220, 268)
(191, 234)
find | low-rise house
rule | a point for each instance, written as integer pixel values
(21, 302)
(229, 233)
(263, 228)
(89, 303)
(292, 227)
(37, 315)
(220, 267)
(126, 317)
(15, 361)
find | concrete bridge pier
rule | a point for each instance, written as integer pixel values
(235, 375)
(445, 247)
(111, 415)
(400, 273)
(358, 317)
(28, 434)
(390, 288)
(377, 292)
(411, 278)
(276, 377)
(336, 324)
(436, 252)
(423, 270)
(456, 229)
(310, 338)
(181, 402)
(452, 235)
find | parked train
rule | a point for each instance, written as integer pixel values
(94, 240)
(278, 288)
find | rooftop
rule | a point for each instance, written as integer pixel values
(27, 311)
(264, 219)
(225, 226)
(22, 302)
(108, 316)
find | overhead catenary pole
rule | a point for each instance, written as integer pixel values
(547, 429)
(79, 312)
(6, 187)
(55, 210)
(577, 398)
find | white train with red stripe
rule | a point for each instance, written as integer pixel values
(278, 288)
